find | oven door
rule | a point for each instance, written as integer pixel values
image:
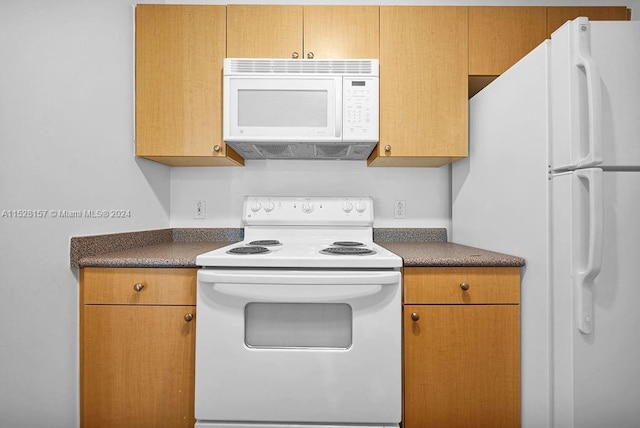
(298, 346)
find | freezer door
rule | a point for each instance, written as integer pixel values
(595, 360)
(595, 95)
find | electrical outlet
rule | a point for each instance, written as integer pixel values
(199, 210)
(399, 209)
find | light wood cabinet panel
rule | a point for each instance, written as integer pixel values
(461, 366)
(264, 31)
(447, 285)
(558, 15)
(342, 31)
(160, 286)
(500, 36)
(179, 55)
(423, 86)
(461, 354)
(276, 31)
(137, 359)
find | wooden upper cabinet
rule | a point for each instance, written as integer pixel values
(557, 15)
(423, 86)
(500, 36)
(179, 55)
(342, 31)
(276, 31)
(272, 31)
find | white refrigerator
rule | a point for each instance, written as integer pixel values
(553, 175)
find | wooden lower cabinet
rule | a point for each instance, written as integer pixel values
(461, 347)
(137, 347)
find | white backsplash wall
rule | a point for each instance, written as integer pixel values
(426, 191)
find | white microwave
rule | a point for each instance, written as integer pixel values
(301, 109)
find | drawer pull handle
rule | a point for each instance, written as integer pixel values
(188, 317)
(464, 286)
(415, 316)
(138, 287)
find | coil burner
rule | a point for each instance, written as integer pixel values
(348, 244)
(248, 250)
(266, 243)
(348, 251)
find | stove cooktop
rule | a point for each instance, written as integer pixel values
(310, 232)
(300, 255)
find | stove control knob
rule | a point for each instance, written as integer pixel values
(269, 206)
(308, 207)
(361, 207)
(347, 207)
(255, 206)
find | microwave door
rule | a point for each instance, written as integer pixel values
(272, 109)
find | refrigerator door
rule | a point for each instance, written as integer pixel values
(595, 95)
(595, 293)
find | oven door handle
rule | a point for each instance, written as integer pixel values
(297, 293)
(300, 278)
(299, 287)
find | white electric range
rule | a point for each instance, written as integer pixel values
(300, 323)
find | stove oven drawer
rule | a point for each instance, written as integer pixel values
(139, 286)
(461, 285)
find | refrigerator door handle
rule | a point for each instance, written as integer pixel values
(584, 279)
(582, 59)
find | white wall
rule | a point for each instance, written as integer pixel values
(66, 143)
(425, 190)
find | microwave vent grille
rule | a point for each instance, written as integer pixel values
(366, 67)
(275, 151)
(337, 151)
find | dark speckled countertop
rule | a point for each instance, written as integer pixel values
(431, 254)
(179, 247)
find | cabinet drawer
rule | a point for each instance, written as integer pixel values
(445, 285)
(160, 286)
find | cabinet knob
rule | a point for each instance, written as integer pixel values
(415, 316)
(464, 286)
(138, 286)
(295, 55)
(216, 148)
(188, 317)
(387, 148)
(310, 55)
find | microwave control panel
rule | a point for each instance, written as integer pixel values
(360, 108)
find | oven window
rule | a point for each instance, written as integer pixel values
(298, 325)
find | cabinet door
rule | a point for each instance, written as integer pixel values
(500, 36)
(557, 15)
(179, 54)
(341, 31)
(423, 86)
(137, 366)
(272, 31)
(461, 366)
